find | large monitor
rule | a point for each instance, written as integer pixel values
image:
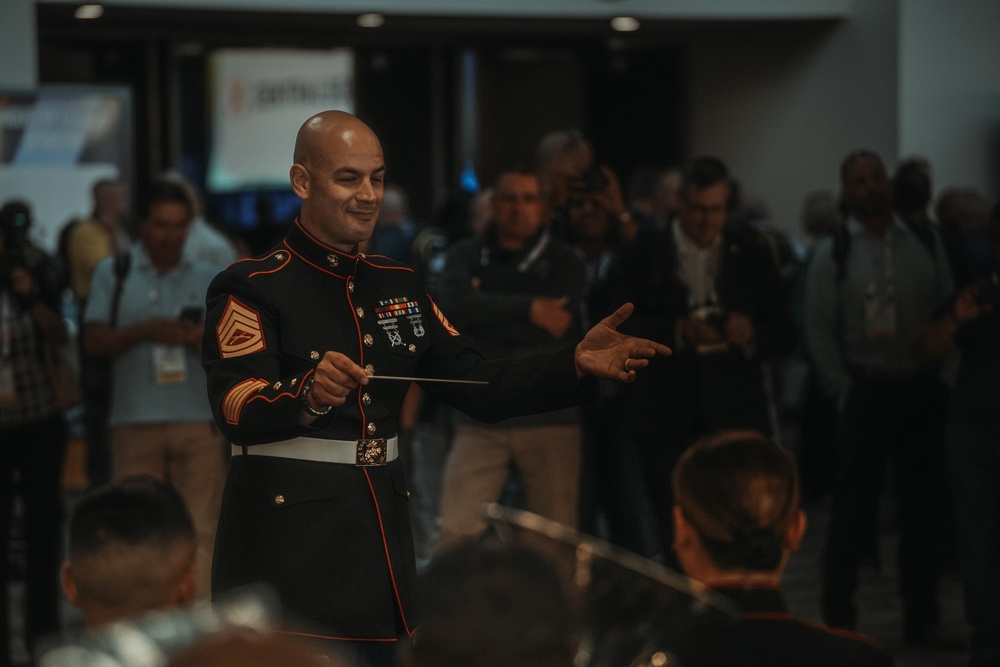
(55, 143)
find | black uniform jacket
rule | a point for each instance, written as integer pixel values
(767, 634)
(334, 539)
(692, 391)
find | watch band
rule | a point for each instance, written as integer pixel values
(304, 402)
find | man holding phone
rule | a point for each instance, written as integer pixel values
(159, 422)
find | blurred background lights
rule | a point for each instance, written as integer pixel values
(370, 20)
(625, 24)
(89, 12)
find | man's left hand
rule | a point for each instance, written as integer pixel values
(739, 329)
(606, 353)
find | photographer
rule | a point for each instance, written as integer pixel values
(570, 177)
(33, 429)
(716, 295)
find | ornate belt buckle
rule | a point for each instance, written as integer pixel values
(372, 452)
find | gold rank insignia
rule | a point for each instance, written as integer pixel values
(239, 330)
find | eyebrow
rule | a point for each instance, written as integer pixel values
(359, 172)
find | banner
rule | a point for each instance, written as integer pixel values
(260, 98)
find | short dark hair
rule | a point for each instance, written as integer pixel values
(911, 185)
(135, 510)
(166, 189)
(740, 492)
(493, 604)
(856, 156)
(704, 171)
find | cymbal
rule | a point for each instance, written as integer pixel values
(632, 609)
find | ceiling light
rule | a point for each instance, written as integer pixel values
(371, 20)
(624, 24)
(89, 12)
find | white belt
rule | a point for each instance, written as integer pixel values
(369, 452)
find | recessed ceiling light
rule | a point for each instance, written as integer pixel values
(89, 12)
(624, 24)
(371, 20)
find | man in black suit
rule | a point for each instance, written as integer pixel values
(715, 295)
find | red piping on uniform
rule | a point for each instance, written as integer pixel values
(361, 354)
(274, 270)
(385, 545)
(283, 394)
(315, 266)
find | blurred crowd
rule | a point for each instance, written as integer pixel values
(866, 346)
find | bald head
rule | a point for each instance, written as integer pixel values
(339, 175)
(315, 132)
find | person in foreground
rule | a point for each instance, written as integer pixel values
(737, 520)
(303, 350)
(131, 550)
(490, 604)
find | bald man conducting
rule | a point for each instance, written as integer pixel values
(304, 350)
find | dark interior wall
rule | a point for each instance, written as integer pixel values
(524, 93)
(532, 78)
(394, 97)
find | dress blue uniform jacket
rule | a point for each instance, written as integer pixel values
(334, 539)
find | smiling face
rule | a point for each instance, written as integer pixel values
(339, 175)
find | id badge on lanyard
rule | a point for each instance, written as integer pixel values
(169, 363)
(880, 304)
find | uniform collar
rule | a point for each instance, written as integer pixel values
(761, 598)
(325, 258)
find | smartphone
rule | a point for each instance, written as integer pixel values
(192, 313)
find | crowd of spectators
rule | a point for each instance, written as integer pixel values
(869, 346)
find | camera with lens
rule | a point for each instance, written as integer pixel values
(593, 179)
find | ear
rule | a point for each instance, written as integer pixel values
(68, 580)
(684, 533)
(796, 529)
(185, 589)
(299, 177)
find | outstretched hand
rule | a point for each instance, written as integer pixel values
(606, 353)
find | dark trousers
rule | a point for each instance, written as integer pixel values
(659, 455)
(34, 451)
(897, 423)
(974, 467)
(611, 480)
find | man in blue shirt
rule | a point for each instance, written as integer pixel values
(160, 423)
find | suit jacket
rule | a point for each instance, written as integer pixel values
(692, 392)
(333, 539)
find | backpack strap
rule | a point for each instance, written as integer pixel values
(123, 261)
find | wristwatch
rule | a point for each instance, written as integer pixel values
(304, 402)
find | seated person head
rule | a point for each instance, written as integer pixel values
(486, 604)
(736, 510)
(131, 550)
(238, 647)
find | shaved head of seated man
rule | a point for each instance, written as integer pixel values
(738, 520)
(131, 550)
